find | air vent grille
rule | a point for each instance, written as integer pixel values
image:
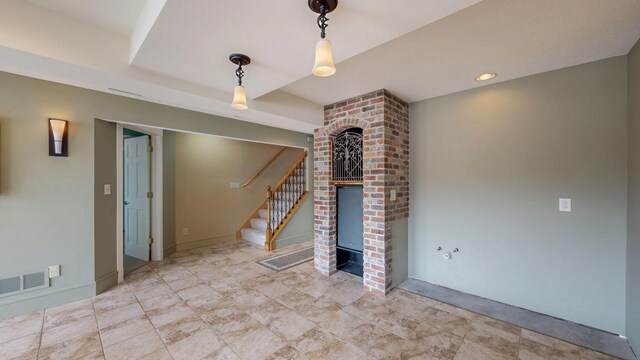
(13, 285)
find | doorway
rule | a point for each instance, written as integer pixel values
(137, 221)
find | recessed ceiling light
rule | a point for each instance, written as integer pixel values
(487, 76)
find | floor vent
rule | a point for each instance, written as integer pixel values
(17, 284)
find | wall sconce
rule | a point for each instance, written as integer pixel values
(58, 137)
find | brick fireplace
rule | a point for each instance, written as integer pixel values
(384, 120)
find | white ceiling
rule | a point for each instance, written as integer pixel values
(175, 52)
(119, 16)
(511, 38)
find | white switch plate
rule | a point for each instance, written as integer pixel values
(565, 205)
(107, 189)
(54, 271)
(185, 231)
(393, 195)
(234, 185)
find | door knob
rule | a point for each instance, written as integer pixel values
(126, 203)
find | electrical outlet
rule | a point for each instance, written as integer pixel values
(107, 189)
(185, 231)
(54, 271)
(565, 205)
(392, 195)
(234, 185)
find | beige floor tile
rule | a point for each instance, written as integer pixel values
(446, 321)
(185, 282)
(344, 351)
(163, 354)
(20, 326)
(531, 350)
(86, 346)
(161, 302)
(493, 338)
(204, 344)
(198, 291)
(340, 323)
(170, 314)
(396, 323)
(61, 315)
(472, 351)
(182, 328)
(259, 343)
(290, 325)
(231, 323)
(70, 331)
(440, 344)
(112, 300)
(287, 352)
(136, 347)
(125, 330)
(549, 341)
(152, 291)
(119, 314)
(24, 347)
(315, 342)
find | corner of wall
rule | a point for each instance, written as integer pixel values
(633, 200)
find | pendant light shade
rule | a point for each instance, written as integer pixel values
(239, 98)
(239, 93)
(324, 59)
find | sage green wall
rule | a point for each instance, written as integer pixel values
(169, 191)
(105, 206)
(633, 220)
(487, 169)
(47, 204)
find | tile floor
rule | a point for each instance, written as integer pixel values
(216, 303)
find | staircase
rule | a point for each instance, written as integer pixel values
(257, 233)
(279, 205)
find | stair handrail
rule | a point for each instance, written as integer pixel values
(264, 167)
(272, 233)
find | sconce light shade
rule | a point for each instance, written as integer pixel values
(324, 59)
(239, 98)
(58, 137)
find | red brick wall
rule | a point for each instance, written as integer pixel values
(384, 119)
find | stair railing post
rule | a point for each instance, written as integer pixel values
(267, 243)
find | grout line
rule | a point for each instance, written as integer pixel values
(41, 334)
(95, 317)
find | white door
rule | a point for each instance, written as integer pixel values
(137, 205)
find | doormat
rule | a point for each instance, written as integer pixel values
(288, 260)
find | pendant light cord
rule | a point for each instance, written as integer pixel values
(322, 19)
(239, 73)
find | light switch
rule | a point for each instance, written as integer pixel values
(393, 195)
(565, 205)
(107, 189)
(234, 185)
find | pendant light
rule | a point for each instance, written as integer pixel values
(239, 92)
(324, 55)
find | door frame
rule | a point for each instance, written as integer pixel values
(157, 249)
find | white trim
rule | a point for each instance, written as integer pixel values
(119, 207)
(157, 249)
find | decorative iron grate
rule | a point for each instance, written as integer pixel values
(347, 156)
